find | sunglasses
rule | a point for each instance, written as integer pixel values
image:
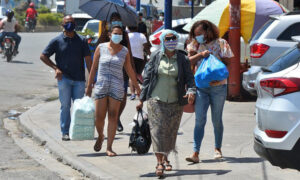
(173, 38)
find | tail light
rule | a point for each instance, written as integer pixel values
(258, 50)
(275, 134)
(280, 86)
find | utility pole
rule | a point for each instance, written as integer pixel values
(138, 5)
(234, 80)
(168, 14)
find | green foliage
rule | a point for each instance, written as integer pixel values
(43, 10)
(50, 19)
(86, 32)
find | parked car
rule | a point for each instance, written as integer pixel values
(93, 25)
(277, 131)
(273, 38)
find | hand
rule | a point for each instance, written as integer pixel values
(138, 90)
(205, 53)
(191, 98)
(88, 91)
(139, 106)
(58, 74)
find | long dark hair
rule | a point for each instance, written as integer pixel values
(212, 31)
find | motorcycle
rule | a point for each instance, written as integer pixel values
(9, 48)
(29, 25)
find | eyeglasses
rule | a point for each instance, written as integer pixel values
(173, 38)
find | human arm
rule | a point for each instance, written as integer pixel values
(189, 81)
(93, 72)
(87, 55)
(49, 62)
(195, 57)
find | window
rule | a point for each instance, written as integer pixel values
(262, 29)
(287, 59)
(293, 30)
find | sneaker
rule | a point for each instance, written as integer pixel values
(218, 155)
(192, 159)
(132, 97)
(120, 126)
(65, 137)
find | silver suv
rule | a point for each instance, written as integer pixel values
(270, 42)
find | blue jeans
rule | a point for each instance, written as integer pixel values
(68, 90)
(16, 37)
(214, 96)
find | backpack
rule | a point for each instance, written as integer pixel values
(140, 138)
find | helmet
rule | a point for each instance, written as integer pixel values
(10, 13)
(31, 5)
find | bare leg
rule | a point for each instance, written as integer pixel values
(160, 167)
(113, 111)
(100, 113)
(167, 162)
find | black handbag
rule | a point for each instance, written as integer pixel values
(140, 137)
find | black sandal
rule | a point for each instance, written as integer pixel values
(160, 171)
(168, 166)
(98, 144)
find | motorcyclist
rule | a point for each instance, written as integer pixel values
(9, 27)
(31, 13)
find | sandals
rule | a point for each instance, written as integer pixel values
(168, 166)
(160, 171)
(192, 159)
(98, 144)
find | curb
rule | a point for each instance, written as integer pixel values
(58, 151)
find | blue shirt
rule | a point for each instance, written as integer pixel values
(69, 55)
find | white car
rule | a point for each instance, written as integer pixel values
(93, 25)
(277, 131)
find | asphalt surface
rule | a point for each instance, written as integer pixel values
(25, 82)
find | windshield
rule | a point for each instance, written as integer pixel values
(262, 29)
(287, 59)
(93, 26)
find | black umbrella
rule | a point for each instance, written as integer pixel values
(102, 10)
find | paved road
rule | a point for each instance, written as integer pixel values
(25, 82)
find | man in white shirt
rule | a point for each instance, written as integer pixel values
(138, 43)
(9, 27)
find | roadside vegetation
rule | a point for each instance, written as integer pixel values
(45, 17)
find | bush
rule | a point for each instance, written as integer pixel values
(50, 19)
(43, 10)
(86, 32)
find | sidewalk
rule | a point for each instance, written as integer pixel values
(240, 160)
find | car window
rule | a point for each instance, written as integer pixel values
(262, 29)
(292, 30)
(287, 59)
(93, 26)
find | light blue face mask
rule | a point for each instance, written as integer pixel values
(200, 39)
(116, 38)
(119, 23)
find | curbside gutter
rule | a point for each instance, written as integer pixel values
(61, 153)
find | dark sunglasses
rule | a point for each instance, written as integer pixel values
(170, 38)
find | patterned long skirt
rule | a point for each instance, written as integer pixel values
(164, 120)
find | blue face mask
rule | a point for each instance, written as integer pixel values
(119, 23)
(116, 38)
(200, 39)
(171, 45)
(69, 27)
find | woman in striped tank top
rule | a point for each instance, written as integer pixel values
(109, 59)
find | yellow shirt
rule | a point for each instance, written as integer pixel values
(166, 87)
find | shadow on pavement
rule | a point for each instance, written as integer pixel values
(20, 62)
(104, 154)
(235, 160)
(184, 172)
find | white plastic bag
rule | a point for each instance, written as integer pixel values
(140, 118)
(82, 125)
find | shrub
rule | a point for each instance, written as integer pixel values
(86, 32)
(50, 19)
(43, 9)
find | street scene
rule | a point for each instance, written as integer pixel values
(150, 89)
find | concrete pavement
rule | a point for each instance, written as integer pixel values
(240, 161)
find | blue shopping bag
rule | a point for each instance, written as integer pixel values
(211, 69)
